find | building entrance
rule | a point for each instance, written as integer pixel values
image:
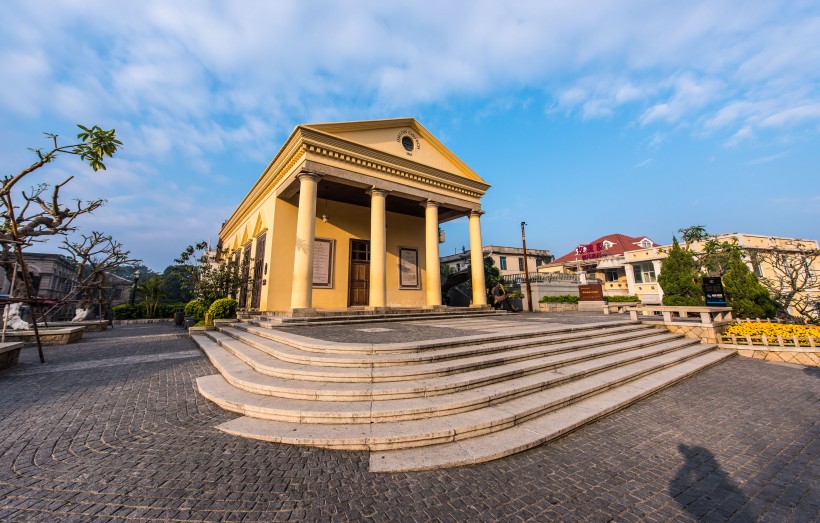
(359, 273)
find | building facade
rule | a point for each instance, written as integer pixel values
(347, 215)
(508, 260)
(605, 260)
(643, 265)
(53, 275)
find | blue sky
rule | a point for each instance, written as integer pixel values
(588, 118)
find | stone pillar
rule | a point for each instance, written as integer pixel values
(301, 296)
(630, 279)
(432, 260)
(477, 260)
(378, 249)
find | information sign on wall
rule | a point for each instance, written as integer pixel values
(323, 263)
(408, 268)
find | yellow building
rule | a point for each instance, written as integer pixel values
(347, 215)
(643, 266)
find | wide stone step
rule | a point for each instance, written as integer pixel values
(538, 430)
(343, 318)
(532, 358)
(492, 419)
(242, 375)
(308, 344)
(377, 358)
(220, 391)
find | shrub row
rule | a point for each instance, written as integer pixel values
(559, 299)
(622, 299)
(221, 309)
(126, 311)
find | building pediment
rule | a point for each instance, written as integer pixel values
(403, 138)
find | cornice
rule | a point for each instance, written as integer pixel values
(357, 154)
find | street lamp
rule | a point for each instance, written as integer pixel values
(526, 268)
(134, 291)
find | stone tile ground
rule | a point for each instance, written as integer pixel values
(112, 429)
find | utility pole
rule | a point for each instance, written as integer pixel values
(526, 268)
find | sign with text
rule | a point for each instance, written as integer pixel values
(713, 291)
(590, 251)
(323, 263)
(591, 292)
(408, 268)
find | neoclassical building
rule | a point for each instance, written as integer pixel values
(347, 215)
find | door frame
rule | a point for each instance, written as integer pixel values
(351, 263)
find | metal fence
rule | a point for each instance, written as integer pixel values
(538, 277)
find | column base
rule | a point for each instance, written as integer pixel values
(485, 306)
(377, 309)
(300, 313)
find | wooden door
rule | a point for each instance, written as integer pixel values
(245, 274)
(359, 273)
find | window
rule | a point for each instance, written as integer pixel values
(521, 264)
(612, 275)
(502, 263)
(645, 243)
(758, 270)
(644, 273)
(608, 245)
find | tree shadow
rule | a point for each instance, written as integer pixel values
(812, 371)
(704, 489)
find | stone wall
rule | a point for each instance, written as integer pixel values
(807, 356)
(557, 307)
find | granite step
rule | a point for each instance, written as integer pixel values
(532, 358)
(241, 374)
(377, 357)
(492, 419)
(217, 389)
(347, 319)
(534, 432)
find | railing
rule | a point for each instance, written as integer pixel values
(670, 314)
(539, 277)
(765, 341)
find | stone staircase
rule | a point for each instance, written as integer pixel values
(437, 403)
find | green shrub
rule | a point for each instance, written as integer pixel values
(622, 299)
(515, 295)
(167, 310)
(196, 309)
(567, 298)
(128, 312)
(223, 309)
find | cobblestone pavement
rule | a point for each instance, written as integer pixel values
(112, 429)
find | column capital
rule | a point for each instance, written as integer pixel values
(476, 212)
(429, 203)
(373, 191)
(309, 176)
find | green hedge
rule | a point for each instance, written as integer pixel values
(567, 298)
(622, 299)
(127, 311)
(196, 309)
(223, 309)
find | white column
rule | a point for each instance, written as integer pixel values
(302, 292)
(477, 260)
(630, 278)
(433, 280)
(378, 249)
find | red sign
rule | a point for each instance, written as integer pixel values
(590, 251)
(591, 292)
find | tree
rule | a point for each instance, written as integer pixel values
(209, 275)
(744, 293)
(173, 286)
(679, 278)
(94, 257)
(152, 290)
(794, 282)
(40, 213)
(491, 274)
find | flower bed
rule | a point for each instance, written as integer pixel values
(765, 333)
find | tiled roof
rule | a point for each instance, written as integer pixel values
(621, 243)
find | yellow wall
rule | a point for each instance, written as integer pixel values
(345, 222)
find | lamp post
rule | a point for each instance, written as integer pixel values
(526, 268)
(134, 291)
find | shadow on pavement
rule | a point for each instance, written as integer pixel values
(702, 487)
(812, 371)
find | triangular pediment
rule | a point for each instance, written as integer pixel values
(401, 137)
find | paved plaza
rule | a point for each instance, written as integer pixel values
(113, 429)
